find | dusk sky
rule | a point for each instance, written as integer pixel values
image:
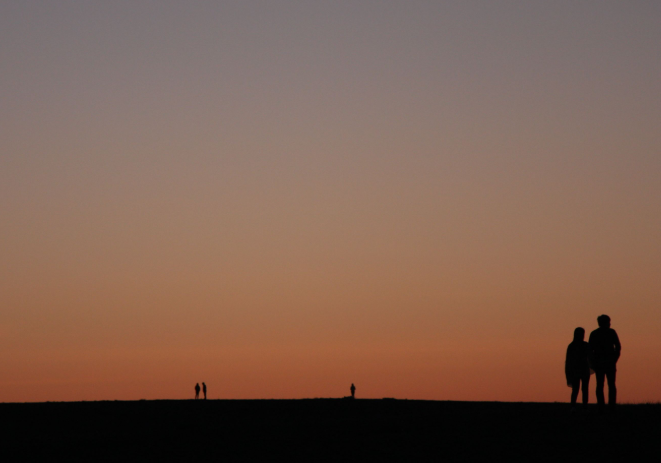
(280, 198)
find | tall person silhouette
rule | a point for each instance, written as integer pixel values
(577, 369)
(605, 351)
(197, 391)
(204, 390)
(353, 391)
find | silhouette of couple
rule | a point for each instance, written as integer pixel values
(197, 391)
(599, 355)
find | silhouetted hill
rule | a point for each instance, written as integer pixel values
(324, 429)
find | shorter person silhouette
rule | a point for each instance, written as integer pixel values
(577, 368)
(197, 391)
(353, 391)
(204, 390)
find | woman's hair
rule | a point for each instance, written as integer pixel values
(579, 334)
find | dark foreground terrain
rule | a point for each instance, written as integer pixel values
(326, 429)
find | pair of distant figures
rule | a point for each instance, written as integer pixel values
(204, 391)
(599, 356)
(197, 390)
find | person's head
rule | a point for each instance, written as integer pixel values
(579, 334)
(604, 321)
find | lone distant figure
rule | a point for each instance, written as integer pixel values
(204, 390)
(353, 391)
(577, 368)
(197, 391)
(605, 351)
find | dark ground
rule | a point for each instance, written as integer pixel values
(326, 429)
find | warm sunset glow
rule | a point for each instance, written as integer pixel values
(280, 199)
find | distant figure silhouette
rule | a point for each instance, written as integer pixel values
(605, 351)
(577, 368)
(353, 391)
(204, 390)
(197, 390)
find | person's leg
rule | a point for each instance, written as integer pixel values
(600, 388)
(585, 383)
(575, 385)
(612, 390)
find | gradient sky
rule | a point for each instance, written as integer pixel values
(280, 198)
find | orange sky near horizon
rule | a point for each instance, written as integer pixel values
(280, 200)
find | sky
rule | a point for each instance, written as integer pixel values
(423, 198)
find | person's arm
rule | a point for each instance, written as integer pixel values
(568, 375)
(618, 346)
(591, 343)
